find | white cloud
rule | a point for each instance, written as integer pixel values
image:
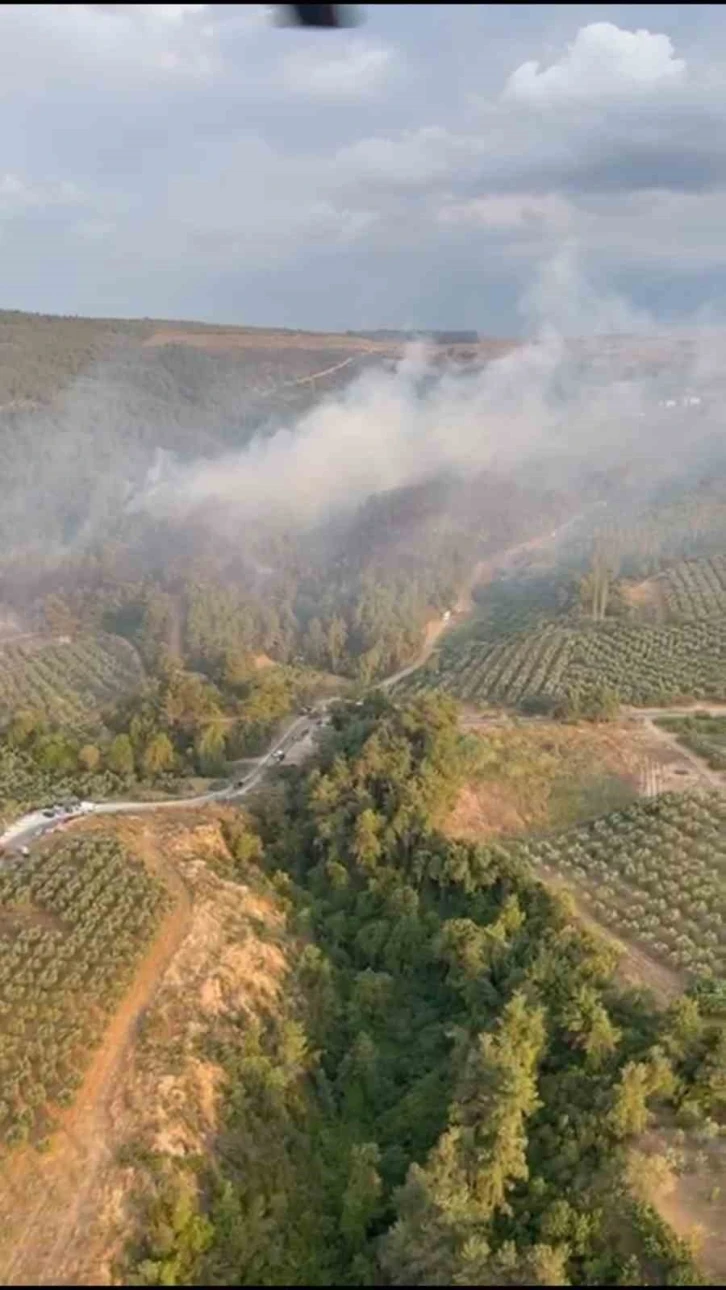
(18, 194)
(356, 72)
(211, 146)
(413, 158)
(513, 212)
(165, 13)
(105, 43)
(94, 230)
(603, 62)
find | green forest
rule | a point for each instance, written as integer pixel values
(452, 1088)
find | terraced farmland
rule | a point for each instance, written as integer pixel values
(502, 670)
(696, 588)
(656, 873)
(73, 922)
(644, 664)
(67, 680)
(521, 603)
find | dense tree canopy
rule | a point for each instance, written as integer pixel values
(449, 1091)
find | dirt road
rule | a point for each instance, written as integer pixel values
(708, 777)
(434, 631)
(482, 573)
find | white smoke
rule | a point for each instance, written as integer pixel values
(397, 427)
(555, 401)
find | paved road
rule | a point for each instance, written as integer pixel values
(33, 826)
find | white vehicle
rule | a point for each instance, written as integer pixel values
(85, 808)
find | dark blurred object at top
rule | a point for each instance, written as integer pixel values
(318, 15)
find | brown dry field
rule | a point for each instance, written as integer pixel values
(235, 338)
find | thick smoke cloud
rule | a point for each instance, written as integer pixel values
(386, 430)
(556, 399)
(141, 437)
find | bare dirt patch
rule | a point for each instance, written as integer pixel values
(237, 339)
(256, 338)
(540, 774)
(668, 766)
(680, 765)
(648, 598)
(16, 920)
(65, 1214)
(262, 661)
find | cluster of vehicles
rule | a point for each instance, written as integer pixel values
(64, 810)
(54, 816)
(45, 819)
(319, 718)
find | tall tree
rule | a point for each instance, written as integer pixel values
(121, 756)
(158, 755)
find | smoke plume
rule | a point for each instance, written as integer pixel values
(558, 398)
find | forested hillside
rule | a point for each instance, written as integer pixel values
(94, 413)
(350, 596)
(89, 406)
(447, 1083)
(450, 1091)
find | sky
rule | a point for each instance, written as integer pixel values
(435, 166)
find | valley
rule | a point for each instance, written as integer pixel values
(250, 999)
